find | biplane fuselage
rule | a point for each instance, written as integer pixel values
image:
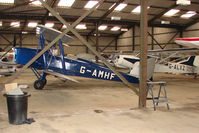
(79, 67)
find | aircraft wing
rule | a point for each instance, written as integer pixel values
(50, 34)
(174, 50)
(2, 63)
(61, 76)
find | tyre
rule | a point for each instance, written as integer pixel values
(39, 84)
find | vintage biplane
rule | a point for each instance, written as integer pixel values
(60, 66)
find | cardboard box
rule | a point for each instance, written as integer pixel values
(10, 86)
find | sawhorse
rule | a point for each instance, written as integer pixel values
(159, 99)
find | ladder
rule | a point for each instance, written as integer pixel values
(159, 98)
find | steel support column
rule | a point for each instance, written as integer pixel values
(87, 38)
(108, 45)
(116, 39)
(97, 40)
(133, 38)
(152, 41)
(143, 53)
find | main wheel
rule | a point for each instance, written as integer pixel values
(39, 84)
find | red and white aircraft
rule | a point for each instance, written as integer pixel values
(192, 42)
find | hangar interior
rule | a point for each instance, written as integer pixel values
(97, 105)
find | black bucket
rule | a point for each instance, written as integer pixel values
(17, 108)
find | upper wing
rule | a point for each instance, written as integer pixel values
(50, 34)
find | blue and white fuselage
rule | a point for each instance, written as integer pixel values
(79, 67)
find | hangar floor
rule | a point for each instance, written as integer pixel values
(97, 106)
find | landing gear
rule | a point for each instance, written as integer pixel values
(39, 84)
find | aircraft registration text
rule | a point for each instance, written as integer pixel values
(97, 73)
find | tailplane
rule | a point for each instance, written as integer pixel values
(189, 62)
(192, 61)
(150, 68)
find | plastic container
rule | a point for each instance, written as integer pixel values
(17, 108)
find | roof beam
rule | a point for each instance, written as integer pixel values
(53, 3)
(106, 14)
(162, 13)
(12, 7)
(196, 20)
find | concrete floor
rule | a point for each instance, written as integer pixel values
(97, 106)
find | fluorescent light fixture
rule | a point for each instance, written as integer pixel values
(7, 1)
(15, 24)
(171, 12)
(24, 32)
(91, 4)
(102, 27)
(120, 6)
(32, 24)
(81, 26)
(0, 23)
(183, 2)
(165, 22)
(124, 29)
(96, 34)
(49, 25)
(115, 18)
(115, 28)
(49, 14)
(67, 3)
(36, 2)
(188, 14)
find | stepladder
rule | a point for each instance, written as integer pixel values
(161, 96)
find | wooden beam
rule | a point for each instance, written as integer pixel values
(106, 14)
(162, 13)
(133, 38)
(143, 53)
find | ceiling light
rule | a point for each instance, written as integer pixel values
(102, 27)
(36, 2)
(165, 22)
(15, 24)
(171, 12)
(96, 34)
(115, 28)
(138, 9)
(120, 6)
(81, 26)
(188, 14)
(24, 32)
(124, 29)
(32, 24)
(115, 18)
(91, 4)
(183, 2)
(49, 25)
(7, 1)
(67, 3)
